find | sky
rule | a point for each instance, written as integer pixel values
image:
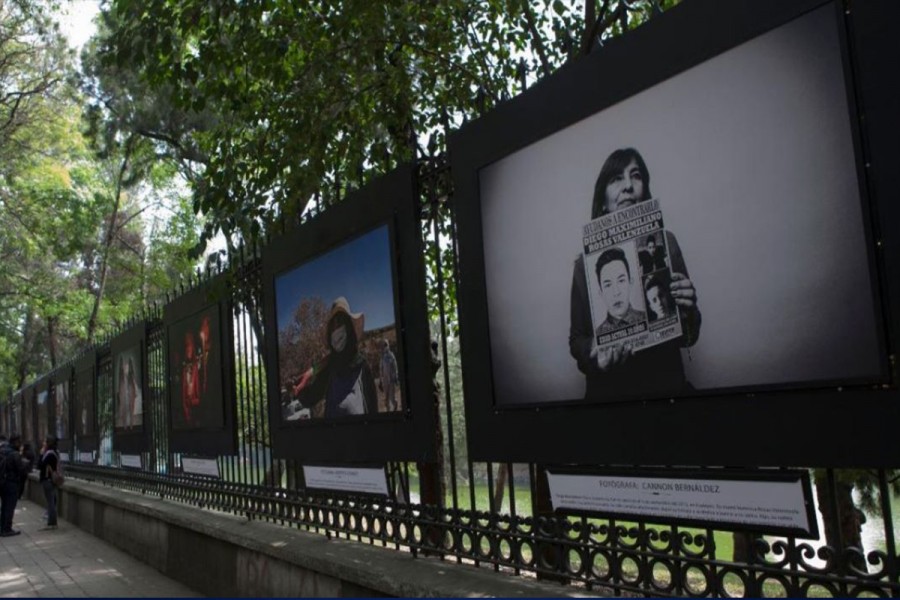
(76, 21)
(359, 270)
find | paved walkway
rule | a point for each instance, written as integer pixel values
(70, 563)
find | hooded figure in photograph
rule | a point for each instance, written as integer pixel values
(343, 379)
(617, 372)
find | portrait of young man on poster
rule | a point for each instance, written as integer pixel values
(337, 333)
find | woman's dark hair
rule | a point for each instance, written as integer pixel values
(342, 318)
(615, 164)
(52, 442)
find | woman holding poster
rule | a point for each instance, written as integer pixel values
(618, 370)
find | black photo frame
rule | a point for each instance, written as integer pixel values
(5, 406)
(42, 410)
(29, 415)
(782, 418)
(15, 413)
(129, 355)
(61, 424)
(84, 404)
(201, 317)
(406, 434)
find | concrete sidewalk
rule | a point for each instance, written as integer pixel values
(70, 563)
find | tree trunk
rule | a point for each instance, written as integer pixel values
(25, 349)
(846, 531)
(549, 555)
(432, 488)
(744, 543)
(107, 244)
(52, 341)
(500, 486)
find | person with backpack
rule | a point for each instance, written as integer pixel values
(48, 465)
(12, 472)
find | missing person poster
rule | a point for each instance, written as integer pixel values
(628, 273)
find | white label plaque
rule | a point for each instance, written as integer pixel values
(779, 505)
(200, 466)
(347, 479)
(86, 457)
(131, 460)
(64, 456)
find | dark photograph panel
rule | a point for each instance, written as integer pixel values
(28, 433)
(84, 404)
(43, 414)
(726, 196)
(15, 411)
(61, 410)
(337, 333)
(128, 390)
(196, 366)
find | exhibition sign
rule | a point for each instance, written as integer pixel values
(775, 502)
(357, 480)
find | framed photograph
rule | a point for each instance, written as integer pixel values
(42, 410)
(85, 403)
(15, 413)
(130, 407)
(61, 407)
(676, 287)
(344, 296)
(201, 381)
(29, 431)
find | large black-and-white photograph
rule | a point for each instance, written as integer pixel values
(762, 255)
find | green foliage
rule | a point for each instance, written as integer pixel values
(268, 103)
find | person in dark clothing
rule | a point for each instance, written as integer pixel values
(616, 372)
(343, 380)
(48, 463)
(14, 471)
(28, 458)
(652, 257)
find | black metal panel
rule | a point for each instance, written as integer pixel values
(407, 434)
(41, 411)
(61, 425)
(85, 424)
(874, 46)
(129, 351)
(783, 421)
(214, 433)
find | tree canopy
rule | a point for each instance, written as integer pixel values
(271, 105)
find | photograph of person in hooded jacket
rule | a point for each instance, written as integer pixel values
(330, 355)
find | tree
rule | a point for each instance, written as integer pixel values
(282, 105)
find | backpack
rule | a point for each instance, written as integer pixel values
(56, 475)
